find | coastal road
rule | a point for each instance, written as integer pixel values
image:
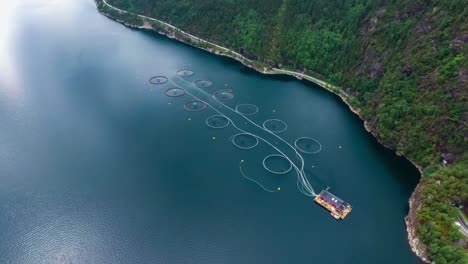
(236, 55)
(177, 29)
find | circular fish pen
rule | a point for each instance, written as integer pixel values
(194, 105)
(203, 83)
(277, 164)
(224, 95)
(308, 145)
(217, 121)
(175, 92)
(244, 140)
(157, 80)
(250, 133)
(246, 109)
(275, 125)
(185, 73)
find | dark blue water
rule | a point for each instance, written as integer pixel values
(99, 166)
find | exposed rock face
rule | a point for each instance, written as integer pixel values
(463, 39)
(463, 75)
(411, 221)
(459, 42)
(448, 157)
(407, 70)
(461, 243)
(248, 55)
(410, 10)
(369, 25)
(376, 69)
(425, 26)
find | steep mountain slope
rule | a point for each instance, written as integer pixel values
(403, 64)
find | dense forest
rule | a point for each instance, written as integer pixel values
(403, 63)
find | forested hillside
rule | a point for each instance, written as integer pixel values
(403, 63)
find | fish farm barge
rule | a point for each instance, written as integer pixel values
(338, 208)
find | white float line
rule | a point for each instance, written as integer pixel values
(272, 171)
(234, 142)
(300, 172)
(256, 109)
(250, 179)
(305, 181)
(222, 91)
(206, 121)
(308, 152)
(281, 121)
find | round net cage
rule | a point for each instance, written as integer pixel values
(224, 95)
(277, 164)
(157, 80)
(175, 92)
(217, 121)
(203, 83)
(247, 109)
(244, 141)
(275, 125)
(308, 145)
(185, 73)
(194, 105)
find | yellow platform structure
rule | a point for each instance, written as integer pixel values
(338, 208)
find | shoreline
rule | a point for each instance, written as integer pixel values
(416, 245)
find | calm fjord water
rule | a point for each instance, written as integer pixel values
(98, 166)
